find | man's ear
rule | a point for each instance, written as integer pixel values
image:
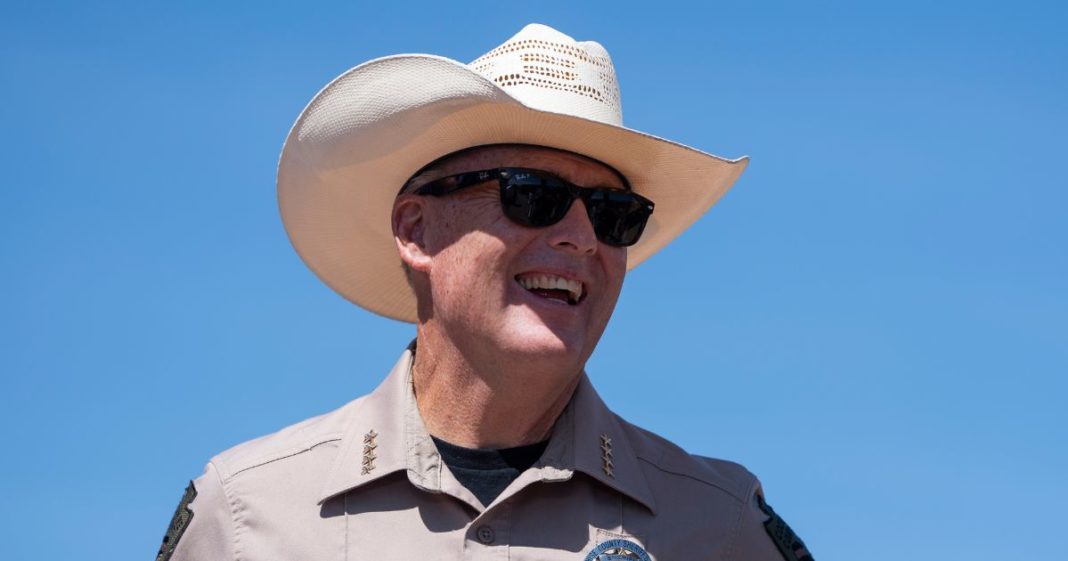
(409, 228)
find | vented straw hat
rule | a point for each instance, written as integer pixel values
(361, 138)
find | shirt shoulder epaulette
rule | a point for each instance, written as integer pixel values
(720, 493)
(286, 443)
(669, 460)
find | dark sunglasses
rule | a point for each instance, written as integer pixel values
(536, 198)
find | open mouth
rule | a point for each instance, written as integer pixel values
(552, 287)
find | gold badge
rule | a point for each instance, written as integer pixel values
(618, 550)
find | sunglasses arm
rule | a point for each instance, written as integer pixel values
(453, 183)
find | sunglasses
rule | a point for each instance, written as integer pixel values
(537, 199)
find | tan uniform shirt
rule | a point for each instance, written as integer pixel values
(366, 482)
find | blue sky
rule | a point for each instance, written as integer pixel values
(873, 320)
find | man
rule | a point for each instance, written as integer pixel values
(496, 205)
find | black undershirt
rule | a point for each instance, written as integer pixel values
(486, 472)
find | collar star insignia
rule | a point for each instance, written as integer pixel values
(606, 456)
(369, 457)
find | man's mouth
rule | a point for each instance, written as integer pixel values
(552, 287)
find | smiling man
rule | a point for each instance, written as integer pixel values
(498, 206)
(508, 313)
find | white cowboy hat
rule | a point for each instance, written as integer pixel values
(368, 131)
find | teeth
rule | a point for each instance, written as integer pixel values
(552, 282)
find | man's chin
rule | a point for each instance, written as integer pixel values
(545, 340)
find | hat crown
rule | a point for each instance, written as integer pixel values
(548, 70)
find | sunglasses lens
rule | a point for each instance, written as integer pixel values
(533, 200)
(537, 200)
(618, 218)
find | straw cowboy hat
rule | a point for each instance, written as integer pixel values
(368, 131)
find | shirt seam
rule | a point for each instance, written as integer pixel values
(236, 519)
(345, 504)
(698, 479)
(732, 550)
(296, 451)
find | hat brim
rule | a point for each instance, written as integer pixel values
(368, 131)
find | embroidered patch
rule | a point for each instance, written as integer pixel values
(618, 550)
(791, 546)
(182, 517)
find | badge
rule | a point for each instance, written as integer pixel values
(791, 546)
(182, 517)
(618, 550)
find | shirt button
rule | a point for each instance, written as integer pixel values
(485, 534)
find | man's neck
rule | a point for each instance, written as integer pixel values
(501, 403)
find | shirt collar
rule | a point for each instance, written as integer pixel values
(387, 434)
(590, 439)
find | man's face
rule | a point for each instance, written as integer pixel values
(489, 277)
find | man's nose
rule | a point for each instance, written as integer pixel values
(574, 233)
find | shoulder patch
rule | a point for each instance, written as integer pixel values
(180, 521)
(791, 546)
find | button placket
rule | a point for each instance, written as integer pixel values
(488, 535)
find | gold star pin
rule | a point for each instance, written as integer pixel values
(369, 457)
(606, 456)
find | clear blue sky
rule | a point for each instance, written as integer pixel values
(875, 320)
